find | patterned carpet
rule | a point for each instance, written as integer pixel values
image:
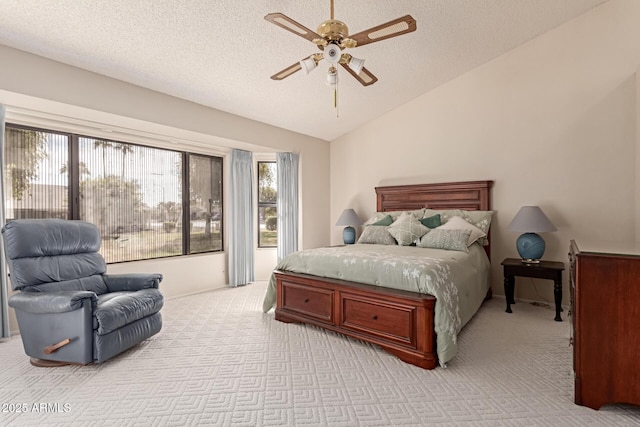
(220, 361)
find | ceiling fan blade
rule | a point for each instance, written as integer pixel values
(287, 71)
(365, 77)
(397, 27)
(289, 24)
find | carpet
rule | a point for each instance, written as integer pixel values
(220, 361)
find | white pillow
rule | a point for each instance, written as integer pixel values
(376, 234)
(407, 229)
(451, 240)
(377, 216)
(457, 223)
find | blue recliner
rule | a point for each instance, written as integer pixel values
(68, 309)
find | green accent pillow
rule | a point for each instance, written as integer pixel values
(387, 220)
(432, 221)
(451, 240)
(407, 229)
(445, 214)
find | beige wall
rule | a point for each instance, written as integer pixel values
(553, 122)
(637, 187)
(35, 89)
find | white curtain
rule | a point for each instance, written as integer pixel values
(241, 230)
(287, 203)
(4, 308)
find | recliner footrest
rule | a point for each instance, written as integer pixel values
(119, 309)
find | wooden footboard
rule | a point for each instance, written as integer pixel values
(400, 322)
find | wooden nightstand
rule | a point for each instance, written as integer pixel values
(544, 270)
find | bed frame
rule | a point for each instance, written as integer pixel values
(400, 322)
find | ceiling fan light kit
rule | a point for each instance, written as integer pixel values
(356, 64)
(332, 37)
(332, 53)
(332, 76)
(308, 64)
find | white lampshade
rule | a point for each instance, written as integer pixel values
(308, 65)
(349, 217)
(332, 77)
(531, 219)
(356, 64)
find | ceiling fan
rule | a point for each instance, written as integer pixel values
(331, 37)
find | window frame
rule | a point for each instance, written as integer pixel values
(186, 208)
(73, 184)
(264, 204)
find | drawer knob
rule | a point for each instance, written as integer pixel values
(307, 300)
(375, 317)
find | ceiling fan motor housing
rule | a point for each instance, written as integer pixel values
(333, 30)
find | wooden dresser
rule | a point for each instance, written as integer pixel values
(605, 313)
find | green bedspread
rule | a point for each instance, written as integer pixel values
(458, 280)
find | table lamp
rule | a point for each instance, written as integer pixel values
(531, 220)
(349, 217)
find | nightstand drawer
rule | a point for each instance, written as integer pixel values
(389, 321)
(311, 302)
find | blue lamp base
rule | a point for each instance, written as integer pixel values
(530, 247)
(349, 235)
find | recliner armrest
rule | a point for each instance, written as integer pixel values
(50, 302)
(132, 282)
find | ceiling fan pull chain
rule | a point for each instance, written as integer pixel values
(335, 96)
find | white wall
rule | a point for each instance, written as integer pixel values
(36, 89)
(553, 122)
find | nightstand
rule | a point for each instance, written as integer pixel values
(543, 270)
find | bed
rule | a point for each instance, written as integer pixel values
(410, 301)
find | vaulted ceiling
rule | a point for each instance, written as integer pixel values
(222, 53)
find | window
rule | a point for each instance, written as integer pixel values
(267, 208)
(125, 189)
(205, 203)
(37, 176)
(136, 195)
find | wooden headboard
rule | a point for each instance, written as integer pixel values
(469, 195)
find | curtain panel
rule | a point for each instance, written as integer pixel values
(4, 292)
(287, 203)
(241, 235)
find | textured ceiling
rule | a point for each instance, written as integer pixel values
(221, 53)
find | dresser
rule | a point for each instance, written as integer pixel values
(605, 315)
